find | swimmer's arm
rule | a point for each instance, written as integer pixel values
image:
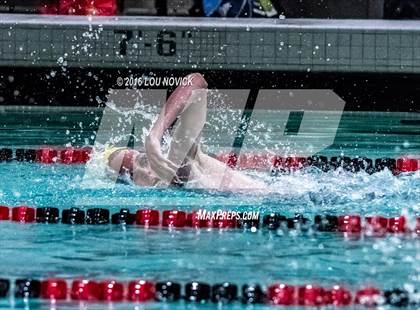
(218, 176)
(177, 103)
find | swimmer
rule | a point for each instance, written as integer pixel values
(186, 165)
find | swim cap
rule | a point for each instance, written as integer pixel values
(109, 151)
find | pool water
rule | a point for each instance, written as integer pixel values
(213, 256)
(104, 252)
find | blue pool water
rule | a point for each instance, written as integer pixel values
(36, 250)
(126, 253)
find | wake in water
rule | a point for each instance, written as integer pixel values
(306, 190)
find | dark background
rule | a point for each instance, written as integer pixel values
(81, 87)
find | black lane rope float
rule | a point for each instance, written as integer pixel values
(140, 291)
(374, 225)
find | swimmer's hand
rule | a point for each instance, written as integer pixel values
(164, 168)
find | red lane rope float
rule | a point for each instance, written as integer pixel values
(350, 225)
(407, 165)
(23, 214)
(140, 291)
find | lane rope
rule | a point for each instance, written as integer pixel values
(375, 225)
(277, 164)
(274, 163)
(47, 155)
(308, 295)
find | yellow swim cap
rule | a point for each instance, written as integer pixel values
(109, 151)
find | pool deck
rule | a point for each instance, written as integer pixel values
(208, 44)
